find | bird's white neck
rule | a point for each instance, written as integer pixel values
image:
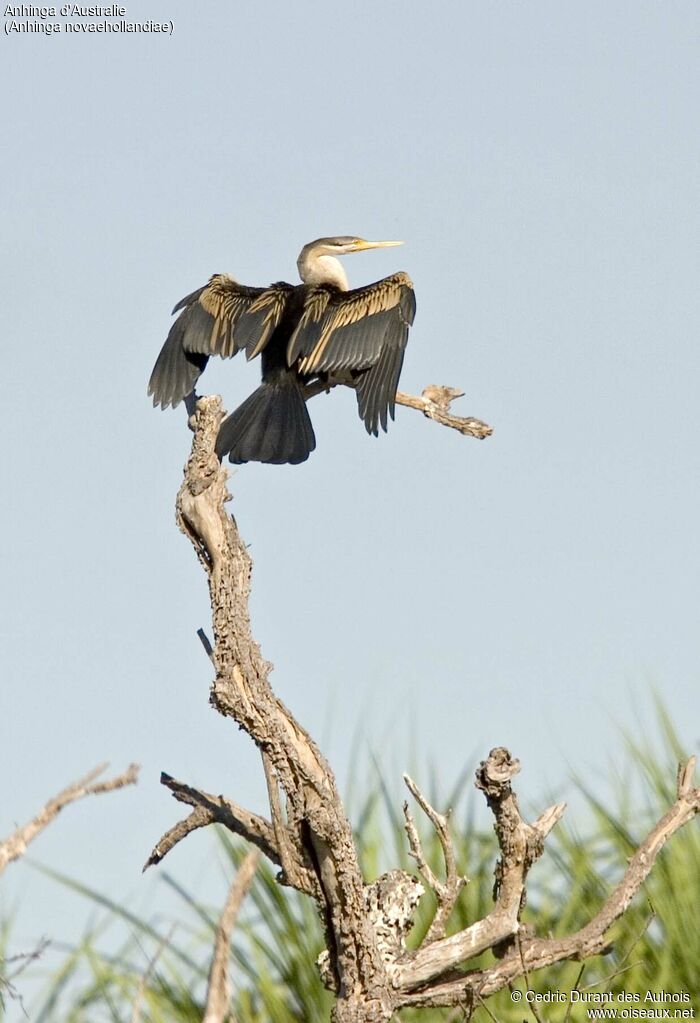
(324, 269)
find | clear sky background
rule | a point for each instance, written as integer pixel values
(424, 596)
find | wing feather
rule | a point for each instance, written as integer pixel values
(346, 329)
(258, 321)
(376, 388)
(364, 331)
(218, 319)
(227, 303)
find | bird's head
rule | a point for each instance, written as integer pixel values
(342, 244)
(315, 266)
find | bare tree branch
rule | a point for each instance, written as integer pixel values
(537, 953)
(210, 809)
(439, 413)
(434, 402)
(219, 986)
(15, 845)
(521, 844)
(446, 892)
(294, 872)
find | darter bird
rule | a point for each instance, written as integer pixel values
(310, 337)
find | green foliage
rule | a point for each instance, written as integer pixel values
(656, 946)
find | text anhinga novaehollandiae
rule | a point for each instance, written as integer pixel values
(318, 332)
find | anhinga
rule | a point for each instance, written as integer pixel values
(318, 332)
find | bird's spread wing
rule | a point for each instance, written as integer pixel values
(363, 331)
(221, 318)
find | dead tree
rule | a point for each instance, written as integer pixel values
(308, 836)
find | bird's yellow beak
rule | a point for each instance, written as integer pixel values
(361, 244)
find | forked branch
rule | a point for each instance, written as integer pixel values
(528, 953)
(447, 891)
(520, 844)
(211, 809)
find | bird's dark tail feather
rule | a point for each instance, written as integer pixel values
(272, 425)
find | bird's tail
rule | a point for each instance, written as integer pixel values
(272, 425)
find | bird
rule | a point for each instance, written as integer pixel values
(309, 336)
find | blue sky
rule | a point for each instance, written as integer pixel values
(430, 594)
